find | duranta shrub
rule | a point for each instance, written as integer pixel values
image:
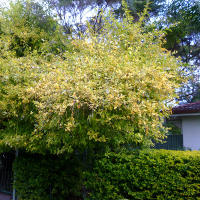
(155, 174)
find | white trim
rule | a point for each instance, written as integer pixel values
(185, 114)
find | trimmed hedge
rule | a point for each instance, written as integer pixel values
(48, 177)
(152, 174)
(155, 174)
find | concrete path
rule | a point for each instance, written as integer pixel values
(5, 197)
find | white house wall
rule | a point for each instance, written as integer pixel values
(191, 132)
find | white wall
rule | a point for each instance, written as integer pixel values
(191, 132)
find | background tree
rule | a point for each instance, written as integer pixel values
(74, 13)
(183, 18)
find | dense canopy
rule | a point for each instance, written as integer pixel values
(101, 91)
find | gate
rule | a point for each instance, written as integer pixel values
(6, 175)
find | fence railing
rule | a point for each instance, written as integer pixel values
(172, 142)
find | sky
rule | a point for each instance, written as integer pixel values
(4, 3)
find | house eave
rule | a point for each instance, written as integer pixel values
(185, 114)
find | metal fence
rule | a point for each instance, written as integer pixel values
(172, 142)
(6, 175)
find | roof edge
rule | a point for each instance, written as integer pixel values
(185, 114)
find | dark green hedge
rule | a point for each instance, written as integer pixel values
(40, 177)
(155, 174)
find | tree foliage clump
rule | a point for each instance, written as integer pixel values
(106, 91)
(27, 28)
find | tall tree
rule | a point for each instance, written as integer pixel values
(105, 93)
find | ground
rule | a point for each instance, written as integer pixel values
(5, 197)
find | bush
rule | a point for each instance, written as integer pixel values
(106, 89)
(47, 177)
(156, 174)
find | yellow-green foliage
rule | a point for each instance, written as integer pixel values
(27, 28)
(109, 88)
(157, 174)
